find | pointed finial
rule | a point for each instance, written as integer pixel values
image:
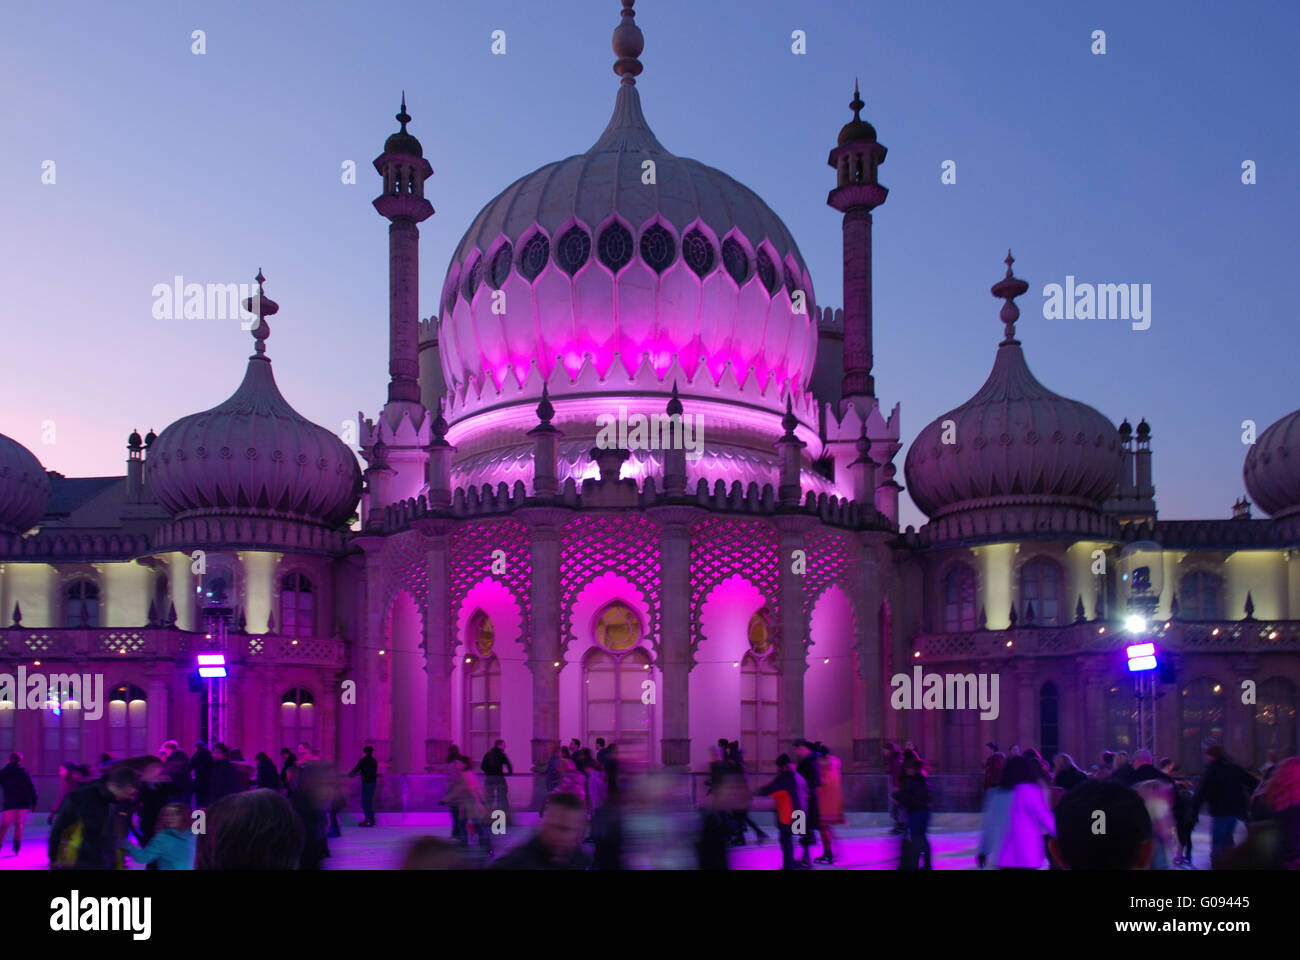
(675, 403)
(789, 421)
(628, 44)
(1008, 288)
(261, 307)
(403, 118)
(857, 104)
(545, 409)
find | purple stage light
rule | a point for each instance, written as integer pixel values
(1141, 656)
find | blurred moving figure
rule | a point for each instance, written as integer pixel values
(172, 846)
(1126, 843)
(1226, 787)
(85, 835)
(433, 853)
(790, 791)
(557, 842)
(254, 830)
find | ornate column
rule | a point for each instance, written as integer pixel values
(792, 652)
(545, 648)
(870, 687)
(1239, 718)
(675, 655)
(439, 640)
(365, 649)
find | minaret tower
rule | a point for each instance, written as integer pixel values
(403, 427)
(857, 192)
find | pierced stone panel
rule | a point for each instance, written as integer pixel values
(767, 272)
(627, 545)
(573, 249)
(500, 270)
(533, 256)
(721, 548)
(735, 260)
(658, 248)
(831, 560)
(473, 557)
(698, 253)
(615, 247)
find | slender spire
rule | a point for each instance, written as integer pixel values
(261, 307)
(628, 44)
(1008, 288)
(403, 117)
(675, 403)
(856, 105)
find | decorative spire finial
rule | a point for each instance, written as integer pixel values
(545, 409)
(674, 403)
(628, 44)
(261, 307)
(857, 104)
(789, 421)
(403, 118)
(1008, 288)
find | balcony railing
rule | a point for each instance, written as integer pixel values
(162, 643)
(1185, 636)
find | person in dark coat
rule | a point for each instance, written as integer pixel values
(176, 765)
(288, 767)
(994, 761)
(1144, 768)
(226, 776)
(311, 800)
(367, 769)
(791, 794)
(557, 844)
(806, 767)
(914, 797)
(1226, 787)
(1067, 774)
(495, 766)
(1273, 832)
(201, 765)
(85, 833)
(18, 794)
(268, 777)
(893, 759)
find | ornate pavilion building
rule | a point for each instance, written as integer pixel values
(500, 569)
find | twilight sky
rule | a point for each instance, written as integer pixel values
(1122, 168)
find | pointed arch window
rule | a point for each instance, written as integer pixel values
(533, 256)
(499, 272)
(759, 710)
(82, 604)
(735, 260)
(767, 272)
(615, 247)
(573, 249)
(959, 599)
(60, 728)
(698, 252)
(297, 606)
(658, 248)
(613, 707)
(482, 686)
(1275, 718)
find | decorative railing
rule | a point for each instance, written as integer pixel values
(161, 643)
(1236, 636)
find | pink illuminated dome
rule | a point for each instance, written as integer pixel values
(253, 454)
(627, 254)
(1272, 468)
(1015, 442)
(24, 487)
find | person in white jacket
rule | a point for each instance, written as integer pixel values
(1028, 818)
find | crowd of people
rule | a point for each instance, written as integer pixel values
(1037, 816)
(211, 809)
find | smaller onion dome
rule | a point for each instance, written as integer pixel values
(1272, 467)
(857, 130)
(1015, 443)
(24, 487)
(254, 455)
(401, 141)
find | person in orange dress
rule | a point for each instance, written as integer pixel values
(830, 798)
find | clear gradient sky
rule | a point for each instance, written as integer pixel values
(1122, 168)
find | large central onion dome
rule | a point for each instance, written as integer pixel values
(254, 455)
(1272, 468)
(627, 249)
(24, 487)
(1015, 442)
